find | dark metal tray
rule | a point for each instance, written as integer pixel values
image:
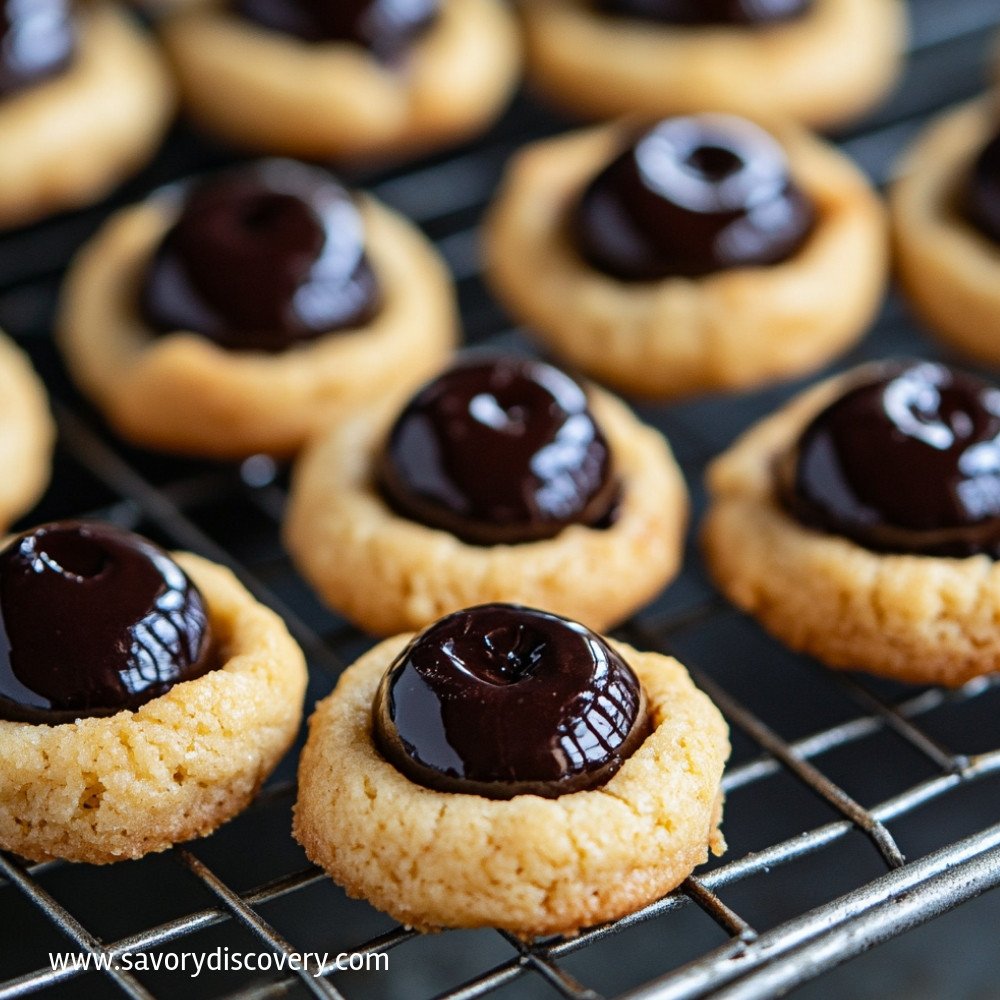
(856, 809)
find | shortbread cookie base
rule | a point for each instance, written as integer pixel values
(824, 68)
(108, 789)
(389, 574)
(921, 619)
(949, 270)
(680, 336)
(181, 392)
(272, 92)
(529, 865)
(68, 141)
(27, 434)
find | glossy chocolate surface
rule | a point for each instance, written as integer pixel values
(262, 258)
(499, 450)
(501, 700)
(37, 42)
(692, 196)
(94, 620)
(745, 12)
(907, 460)
(982, 192)
(387, 28)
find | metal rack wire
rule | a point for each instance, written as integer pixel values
(797, 727)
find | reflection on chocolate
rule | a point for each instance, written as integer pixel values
(37, 42)
(499, 450)
(94, 620)
(749, 12)
(501, 700)
(907, 460)
(982, 193)
(262, 258)
(694, 195)
(385, 27)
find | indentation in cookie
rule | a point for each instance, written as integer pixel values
(500, 450)
(38, 41)
(982, 191)
(907, 459)
(746, 12)
(692, 196)
(94, 620)
(387, 28)
(501, 700)
(262, 258)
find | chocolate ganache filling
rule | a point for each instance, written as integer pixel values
(701, 12)
(499, 450)
(94, 620)
(906, 460)
(982, 191)
(692, 196)
(501, 700)
(37, 42)
(262, 258)
(387, 28)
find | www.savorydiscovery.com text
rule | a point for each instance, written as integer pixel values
(221, 959)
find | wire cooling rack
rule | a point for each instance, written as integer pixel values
(856, 809)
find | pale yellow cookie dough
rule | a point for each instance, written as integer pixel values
(679, 336)
(181, 392)
(387, 573)
(27, 434)
(67, 141)
(923, 619)
(824, 68)
(529, 865)
(107, 789)
(949, 270)
(276, 93)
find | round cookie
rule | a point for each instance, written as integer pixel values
(528, 864)
(824, 68)
(949, 270)
(334, 100)
(182, 392)
(388, 573)
(677, 336)
(926, 619)
(106, 789)
(27, 436)
(67, 141)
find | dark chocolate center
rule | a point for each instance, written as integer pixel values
(37, 42)
(982, 192)
(95, 620)
(501, 700)
(907, 460)
(693, 196)
(701, 12)
(387, 28)
(499, 450)
(262, 258)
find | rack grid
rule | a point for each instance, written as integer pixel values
(832, 776)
